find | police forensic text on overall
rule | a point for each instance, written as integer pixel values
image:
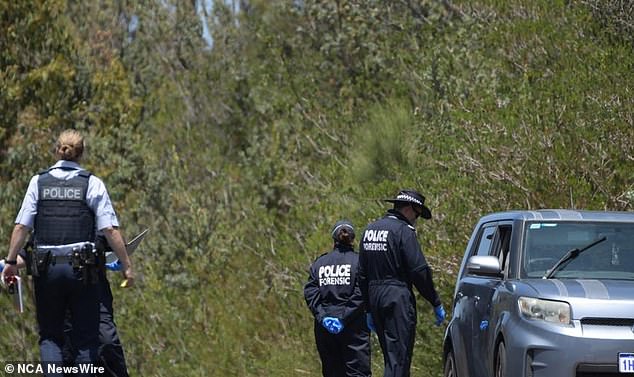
(334, 275)
(375, 240)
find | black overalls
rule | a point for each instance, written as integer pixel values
(333, 291)
(390, 261)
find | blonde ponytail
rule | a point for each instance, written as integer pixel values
(69, 146)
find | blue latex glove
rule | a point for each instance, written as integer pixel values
(114, 266)
(440, 313)
(332, 324)
(370, 322)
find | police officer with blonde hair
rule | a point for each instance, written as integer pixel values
(333, 296)
(65, 206)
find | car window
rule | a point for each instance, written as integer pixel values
(501, 245)
(486, 240)
(546, 242)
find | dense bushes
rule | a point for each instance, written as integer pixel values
(241, 156)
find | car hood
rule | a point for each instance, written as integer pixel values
(591, 289)
(588, 298)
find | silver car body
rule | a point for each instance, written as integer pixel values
(578, 322)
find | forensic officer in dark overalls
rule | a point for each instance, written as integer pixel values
(64, 206)
(333, 296)
(390, 262)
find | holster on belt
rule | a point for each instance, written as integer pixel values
(39, 262)
(89, 261)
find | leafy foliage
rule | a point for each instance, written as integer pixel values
(241, 156)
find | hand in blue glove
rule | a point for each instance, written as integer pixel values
(370, 322)
(440, 315)
(114, 266)
(332, 324)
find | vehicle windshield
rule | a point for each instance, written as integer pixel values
(546, 242)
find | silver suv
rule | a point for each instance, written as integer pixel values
(545, 293)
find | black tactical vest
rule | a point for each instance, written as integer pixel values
(63, 216)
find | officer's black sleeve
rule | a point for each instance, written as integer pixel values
(419, 272)
(313, 296)
(362, 276)
(354, 306)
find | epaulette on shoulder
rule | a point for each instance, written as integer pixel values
(403, 222)
(84, 173)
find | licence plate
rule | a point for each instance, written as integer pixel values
(626, 362)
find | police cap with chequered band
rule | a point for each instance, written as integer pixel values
(414, 197)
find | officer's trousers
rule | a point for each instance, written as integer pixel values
(394, 313)
(346, 354)
(110, 352)
(58, 291)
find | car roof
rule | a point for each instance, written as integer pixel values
(560, 214)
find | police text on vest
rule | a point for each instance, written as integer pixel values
(61, 193)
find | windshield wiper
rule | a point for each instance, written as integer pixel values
(569, 256)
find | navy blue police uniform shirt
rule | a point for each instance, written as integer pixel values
(332, 289)
(389, 251)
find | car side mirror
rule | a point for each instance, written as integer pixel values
(484, 265)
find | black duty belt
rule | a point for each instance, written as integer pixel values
(60, 259)
(83, 258)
